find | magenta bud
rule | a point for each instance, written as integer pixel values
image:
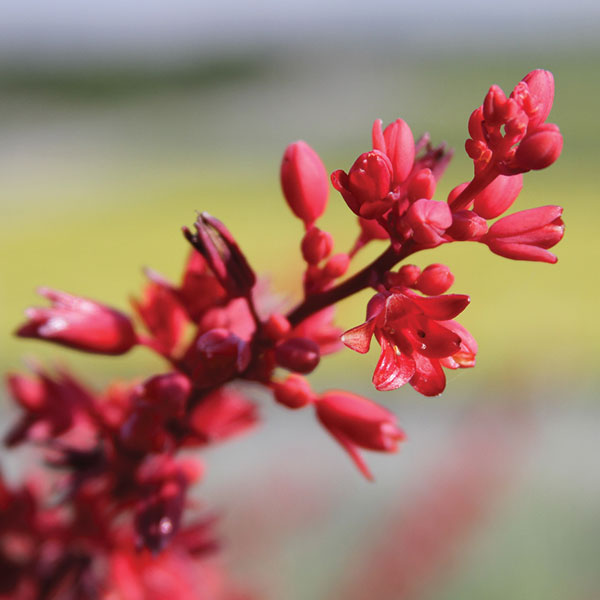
(298, 354)
(467, 226)
(498, 196)
(336, 266)
(406, 276)
(304, 182)
(536, 96)
(475, 124)
(366, 186)
(398, 144)
(539, 149)
(168, 393)
(79, 323)
(429, 219)
(435, 280)
(316, 245)
(294, 392)
(528, 234)
(494, 106)
(421, 185)
(277, 326)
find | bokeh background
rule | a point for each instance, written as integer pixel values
(119, 120)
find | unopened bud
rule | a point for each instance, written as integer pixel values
(539, 149)
(298, 354)
(467, 226)
(316, 245)
(294, 392)
(422, 185)
(435, 280)
(304, 182)
(398, 144)
(498, 196)
(336, 266)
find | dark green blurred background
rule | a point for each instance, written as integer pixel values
(105, 155)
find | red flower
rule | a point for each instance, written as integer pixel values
(356, 422)
(415, 335)
(79, 323)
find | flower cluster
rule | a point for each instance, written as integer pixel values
(116, 526)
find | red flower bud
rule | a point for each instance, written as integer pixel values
(498, 196)
(298, 354)
(217, 356)
(466, 225)
(527, 235)
(79, 323)
(422, 185)
(406, 276)
(429, 219)
(336, 266)
(435, 280)
(398, 144)
(536, 96)
(277, 326)
(357, 422)
(539, 149)
(316, 245)
(294, 392)
(304, 182)
(366, 186)
(223, 255)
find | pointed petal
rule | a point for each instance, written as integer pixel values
(359, 338)
(442, 308)
(393, 370)
(352, 451)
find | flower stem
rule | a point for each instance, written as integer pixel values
(359, 281)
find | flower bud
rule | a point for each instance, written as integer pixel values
(276, 326)
(527, 235)
(304, 182)
(429, 219)
(356, 422)
(539, 149)
(223, 255)
(536, 96)
(336, 266)
(422, 185)
(398, 144)
(467, 226)
(298, 354)
(406, 276)
(435, 280)
(498, 196)
(294, 392)
(366, 186)
(79, 323)
(316, 245)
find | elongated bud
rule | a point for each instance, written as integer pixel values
(435, 280)
(276, 327)
(398, 144)
(336, 266)
(536, 97)
(294, 392)
(527, 235)
(316, 245)
(298, 354)
(79, 323)
(304, 182)
(223, 255)
(538, 150)
(498, 196)
(422, 185)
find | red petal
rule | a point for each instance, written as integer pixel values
(429, 378)
(359, 338)
(393, 370)
(442, 308)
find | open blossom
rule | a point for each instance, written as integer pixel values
(79, 323)
(416, 337)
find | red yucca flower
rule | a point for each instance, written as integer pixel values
(120, 525)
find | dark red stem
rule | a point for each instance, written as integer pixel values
(361, 280)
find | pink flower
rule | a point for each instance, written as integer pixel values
(356, 422)
(79, 323)
(304, 182)
(527, 235)
(415, 334)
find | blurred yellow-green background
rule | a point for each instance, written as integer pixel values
(117, 124)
